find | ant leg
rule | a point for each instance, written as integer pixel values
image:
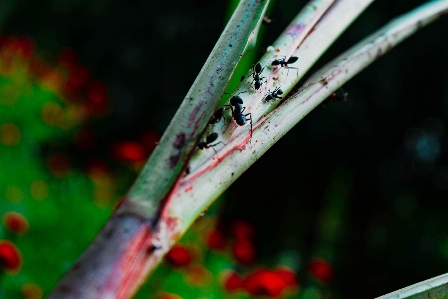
(213, 146)
(250, 118)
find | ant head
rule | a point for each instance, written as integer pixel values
(236, 99)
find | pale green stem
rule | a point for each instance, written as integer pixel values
(213, 173)
(149, 192)
(436, 287)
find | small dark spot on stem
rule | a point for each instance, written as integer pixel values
(173, 160)
(109, 233)
(153, 247)
(179, 142)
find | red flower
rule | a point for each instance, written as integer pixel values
(129, 151)
(321, 270)
(243, 251)
(233, 282)
(15, 223)
(242, 230)
(78, 79)
(216, 240)
(10, 256)
(97, 97)
(265, 282)
(67, 58)
(288, 276)
(179, 256)
(23, 46)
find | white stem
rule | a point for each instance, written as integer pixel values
(422, 289)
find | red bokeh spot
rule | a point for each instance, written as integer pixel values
(97, 98)
(216, 240)
(39, 67)
(59, 165)
(24, 47)
(77, 80)
(321, 270)
(264, 282)
(233, 282)
(15, 223)
(129, 151)
(67, 58)
(243, 251)
(288, 276)
(179, 256)
(96, 165)
(10, 257)
(150, 139)
(242, 230)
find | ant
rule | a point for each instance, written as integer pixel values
(256, 72)
(217, 116)
(273, 95)
(234, 100)
(210, 139)
(236, 105)
(219, 113)
(283, 63)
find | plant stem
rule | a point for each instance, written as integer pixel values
(436, 287)
(163, 203)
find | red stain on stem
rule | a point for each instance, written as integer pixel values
(193, 116)
(130, 266)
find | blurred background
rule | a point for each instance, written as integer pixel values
(88, 87)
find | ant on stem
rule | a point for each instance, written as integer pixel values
(273, 95)
(210, 139)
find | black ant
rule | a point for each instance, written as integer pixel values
(235, 99)
(219, 113)
(236, 105)
(256, 72)
(273, 95)
(283, 63)
(217, 116)
(210, 139)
